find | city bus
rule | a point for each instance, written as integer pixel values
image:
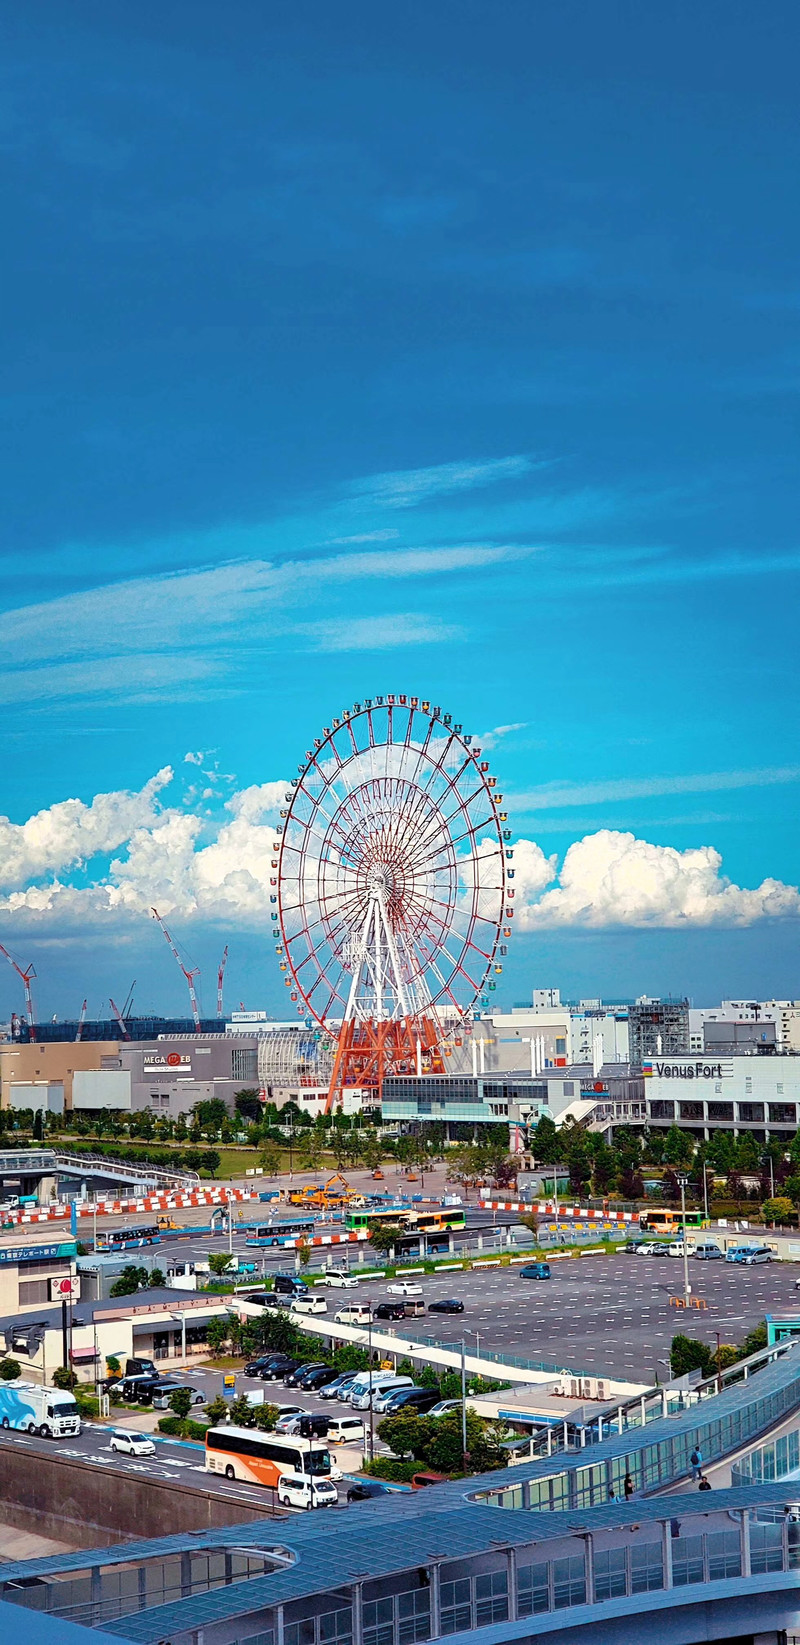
(261, 1459)
(670, 1221)
(126, 1239)
(435, 1221)
(274, 1233)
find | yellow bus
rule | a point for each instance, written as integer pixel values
(261, 1459)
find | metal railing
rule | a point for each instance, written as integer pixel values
(135, 1171)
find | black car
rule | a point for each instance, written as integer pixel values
(315, 1378)
(390, 1310)
(254, 1367)
(446, 1305)
(278, 1368)
(414, 1400)
(293, 1378)
(362, 1493)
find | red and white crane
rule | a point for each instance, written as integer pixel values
(220, 974)
(25, 977)
(81, 1020)
(120, 1018)
(189, 975)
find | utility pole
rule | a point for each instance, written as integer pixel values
(463, 1406)
(371, 1390)
(687, 1290)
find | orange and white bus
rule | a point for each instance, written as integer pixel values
(261, 1459)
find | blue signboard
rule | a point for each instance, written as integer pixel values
(35, 1253)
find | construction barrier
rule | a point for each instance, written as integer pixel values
(549, 1208)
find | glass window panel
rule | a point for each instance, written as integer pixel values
(724, 1555)
(491, 1598)
(609, 1573)
(336, 1625)
(532, 1589)
(687, 1560)
(414, 1609)
(647, 1567)
(456, 1607)
(299, 1633)
(766, 1548)
(569, 1582)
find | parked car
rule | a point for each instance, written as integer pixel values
(308, 1424)
(299, 1491)
(338, 1279)
(363, 1491)
(632, 1247)
(353, 1313)
(390, 1310)
(254, 1367)
(293, 1378)
(315, 1378)
(332, 1389)
(162, 1393)
(286, 1411)
(757, 1253)
(288, 1415)
(446, 1305)
(444, 1405)
(308, 1305)
(650, 1248)
(707, 1251)
(419, 1400)
(677, 1248)
(535, 1270)
(741, 1253)
(345, 1431)
(278, 1367)
(404, 1288)
(129, 1443)
(420, 1481)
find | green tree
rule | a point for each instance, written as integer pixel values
(310, 1151)
(748, 1152)
(181, 1403)
(128, 1282)
(270, 1157)
(792, 1189)
(209, 1115)
(216, 1335)
(217, 1409)
(211, 1161)
(10, 1369)
(242, 1412)
(218, 1262)
(686, 1354)
(383, 1236)
(304, 1253)
(157, 1278)
(266, 1416)
(248, 1104)
(544, 1144)
(372, 1154)
(678, 1147)
(64, 1377)
(778, 1212)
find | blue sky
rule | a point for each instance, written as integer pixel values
(450, 348)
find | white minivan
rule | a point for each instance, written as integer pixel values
(353, 1313)
(309, 1304)
(345, 1431)
(382, 1381)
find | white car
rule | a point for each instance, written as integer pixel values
(295, 1491)
(132, 1444)
(404, 1288)
(308, 1305)
(650, 1248)
(338, 1279)
(443, 1407)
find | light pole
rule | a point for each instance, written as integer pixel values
(687, 1290)
(463, 1406)
(369, 1369)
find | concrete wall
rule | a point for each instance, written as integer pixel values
(91, 1507)
(54, 1062)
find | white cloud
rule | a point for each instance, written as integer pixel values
(553, 795)
(71, 832)
(490, 739)
(404, 488)
(614, 879)
(194, 759)
(379, 633)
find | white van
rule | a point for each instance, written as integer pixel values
(345, 1431)
(310, 1304)
(353, 1313)
(382, 1381)
(295, 1491)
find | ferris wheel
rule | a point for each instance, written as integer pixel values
(392, 893)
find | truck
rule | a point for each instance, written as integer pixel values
(50, 1412)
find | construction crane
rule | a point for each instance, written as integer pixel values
(126, 1009)
(81, 1020)
(25, 977)
(120, 1018)
(189, 975)
(220, 974)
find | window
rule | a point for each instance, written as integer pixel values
(647, 1568)
(569, 1088)
(456, 1607)
(766, 1548)
(491, 1598)
(609, 1573)
(265, 1638)
(532, 1590)
(724, 1555)
(687, 1560)
(378, 1622)
(336, 1626)
(31, 1291)
(569, 1582)
(414, 1616)
(720, 1110)
(299, 1633)
(561, 1046)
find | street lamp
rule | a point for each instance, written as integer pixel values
(687, 1290)
(371, 1390)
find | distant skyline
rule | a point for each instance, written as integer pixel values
(451, 351)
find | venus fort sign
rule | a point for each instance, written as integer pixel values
(685, 1069)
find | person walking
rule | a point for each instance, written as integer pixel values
(696, 1462)
(629, 1487)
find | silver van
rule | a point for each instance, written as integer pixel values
(707, 1251)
